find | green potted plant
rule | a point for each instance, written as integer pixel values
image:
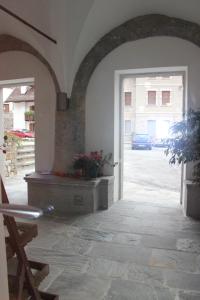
(29, 115)
(184, 147)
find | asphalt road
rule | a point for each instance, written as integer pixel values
(148, 175)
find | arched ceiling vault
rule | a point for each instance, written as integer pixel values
(141, 27)
(137, 28)
(10, 43)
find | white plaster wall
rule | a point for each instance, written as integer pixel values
(78, 25)
(18, 115)
(49, 16)
(3, 264)
(18, 65)
(146, 53)
(104, 15)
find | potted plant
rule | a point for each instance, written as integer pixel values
(184, 147)
(29, 115)
(91, 164)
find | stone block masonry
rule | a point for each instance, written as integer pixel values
(70, 196)
(19, 155)
(11, 159)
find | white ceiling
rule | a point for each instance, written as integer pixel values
(78, 24)
(104, 15)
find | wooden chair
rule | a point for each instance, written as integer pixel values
(24, 276)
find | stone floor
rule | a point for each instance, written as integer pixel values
(133, 251)
(142, 248)
(16, 187)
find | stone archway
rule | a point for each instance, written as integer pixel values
(137, 28)
(10, 43)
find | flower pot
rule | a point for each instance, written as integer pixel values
(29, 118)
(91, 172)
(192, 201)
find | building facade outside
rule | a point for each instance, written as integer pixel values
(17, 102)
(151, 105)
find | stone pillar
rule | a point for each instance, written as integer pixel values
(68, 139)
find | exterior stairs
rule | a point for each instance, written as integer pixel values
(26, 154)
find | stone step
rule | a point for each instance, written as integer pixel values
(25, 156)
(27, 142)
(25, 164)
(21, 151)
(31, 145)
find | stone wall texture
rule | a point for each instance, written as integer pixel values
(11, 159)
(8, 121)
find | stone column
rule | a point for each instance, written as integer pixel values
(68, 139)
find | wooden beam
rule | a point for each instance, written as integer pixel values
(27, 24)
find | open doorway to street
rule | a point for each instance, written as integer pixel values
(19, 126)
(152, 103)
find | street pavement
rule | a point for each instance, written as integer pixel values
(16, 187)
(149, 176)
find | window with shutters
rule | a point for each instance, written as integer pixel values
(6, 108)
(32, 127)
(165, 97)
(128, 98)
(151, 97)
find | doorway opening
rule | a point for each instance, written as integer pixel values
(18, 98)
(151, 104)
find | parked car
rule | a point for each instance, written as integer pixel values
(141, 141)
(23, 133)
(162, 143)
(28, 133)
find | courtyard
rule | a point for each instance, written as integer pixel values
(149, 176)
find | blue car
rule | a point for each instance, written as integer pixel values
(141, 141)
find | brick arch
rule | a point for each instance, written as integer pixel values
(10, 43)
(137, 28)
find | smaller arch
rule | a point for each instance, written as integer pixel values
(10, 43)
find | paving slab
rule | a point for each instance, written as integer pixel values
(175, 260)
(71, 262)
(146, 274)
(182, 280)
(127, 290)
(188, 296)
(121, 253)
(80, 286)
(107, 268)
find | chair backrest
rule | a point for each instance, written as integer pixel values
(14, 240)
(3, 193)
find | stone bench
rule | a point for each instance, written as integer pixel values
(70, 196)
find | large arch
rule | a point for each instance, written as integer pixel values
(137, 28)
(10, 43)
